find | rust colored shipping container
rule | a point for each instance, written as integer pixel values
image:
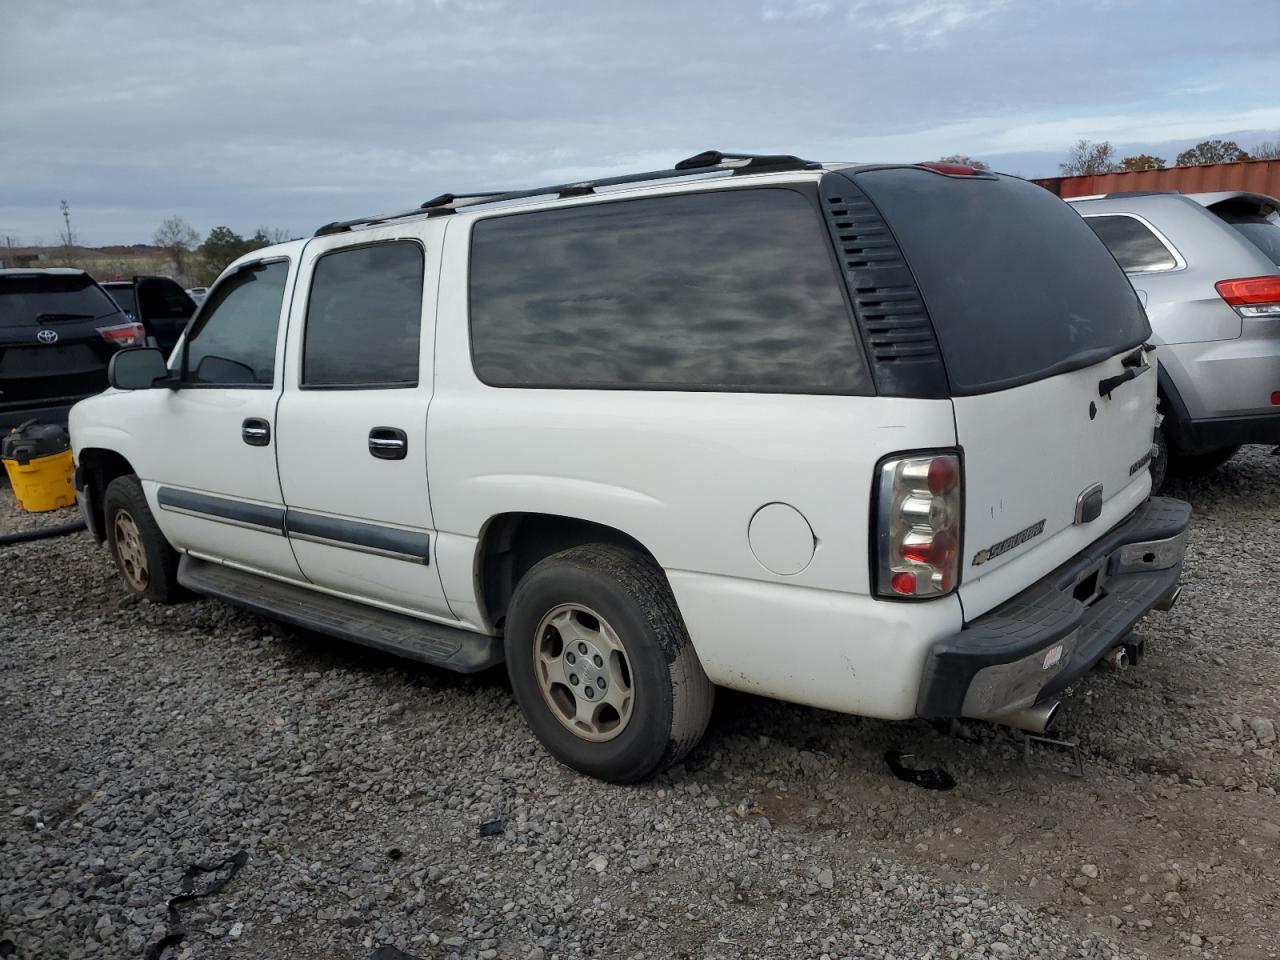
(1256, 176)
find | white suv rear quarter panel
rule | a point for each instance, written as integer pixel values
(683, 473)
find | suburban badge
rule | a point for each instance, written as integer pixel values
(1007, 544)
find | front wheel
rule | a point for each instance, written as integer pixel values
(147, 564)
(602, 666)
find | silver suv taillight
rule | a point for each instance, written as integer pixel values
(918, 525)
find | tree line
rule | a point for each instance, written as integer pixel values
(200, 261)
(1088, 156)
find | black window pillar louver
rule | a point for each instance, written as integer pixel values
(890, 312)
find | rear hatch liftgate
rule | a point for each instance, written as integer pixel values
(1034, 332)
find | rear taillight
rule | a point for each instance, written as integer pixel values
(1252, 296)
(124, 334)
(918, 526)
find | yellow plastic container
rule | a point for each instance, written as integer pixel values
(43, 483)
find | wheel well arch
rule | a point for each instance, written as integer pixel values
(511, 543)
(99, 467)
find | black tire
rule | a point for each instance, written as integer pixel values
(1194, 465)
(672, 695)
(124, 499)
(1159, 461)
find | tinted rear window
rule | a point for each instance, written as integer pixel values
(1136, 248)
(1017, 285)
(1257, 222)
(727, 290)
(28, 301)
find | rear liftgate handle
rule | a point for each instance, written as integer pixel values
(388, 443)
(256, 432)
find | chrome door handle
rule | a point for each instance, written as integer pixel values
(388, 443)
(256, 432)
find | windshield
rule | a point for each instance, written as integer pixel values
(30, 300)
(1017, 285)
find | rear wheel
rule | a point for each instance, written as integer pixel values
(602, 666)
(147, 564)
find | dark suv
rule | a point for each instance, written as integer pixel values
(58, 330)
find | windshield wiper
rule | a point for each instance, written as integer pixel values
(47, 317)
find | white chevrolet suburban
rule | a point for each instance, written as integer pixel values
(871, 438)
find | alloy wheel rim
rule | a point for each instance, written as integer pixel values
(130, 552)
(583, 672)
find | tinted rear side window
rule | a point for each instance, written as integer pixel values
(730, 290)
(163, 299)
(364, 318)
(1017, 286)
(124, 297)
(1132, 243)
(31, 300)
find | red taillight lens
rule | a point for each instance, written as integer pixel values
(951, 169)
(124, 334)
(918, 525)
(1252, 296)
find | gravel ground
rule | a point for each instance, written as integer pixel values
(385, 803)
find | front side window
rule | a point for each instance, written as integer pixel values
(733, 290)
(364, 318)
(1136, 248)
(234, 342)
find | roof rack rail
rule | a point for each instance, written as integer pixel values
(709, 161)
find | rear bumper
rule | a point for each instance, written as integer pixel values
(1030, 648)
(1218, 432)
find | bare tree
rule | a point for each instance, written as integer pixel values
(1268, 150)
(273, 234)
(960, 158)
(178, 239)
(1086, 157)
(1211, 151)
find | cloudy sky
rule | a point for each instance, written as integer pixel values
(292, 113)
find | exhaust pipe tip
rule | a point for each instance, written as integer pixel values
(1117, 658)
(1034, 719)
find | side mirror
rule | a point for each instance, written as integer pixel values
(137, 368)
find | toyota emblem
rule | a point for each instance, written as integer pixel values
(47, 336)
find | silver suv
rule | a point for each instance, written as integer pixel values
(1207, 268)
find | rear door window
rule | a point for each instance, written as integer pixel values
(726, 290)
(1018, 287)
(1134, 245)
(364, 317)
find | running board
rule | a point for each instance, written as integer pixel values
(422, 640)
